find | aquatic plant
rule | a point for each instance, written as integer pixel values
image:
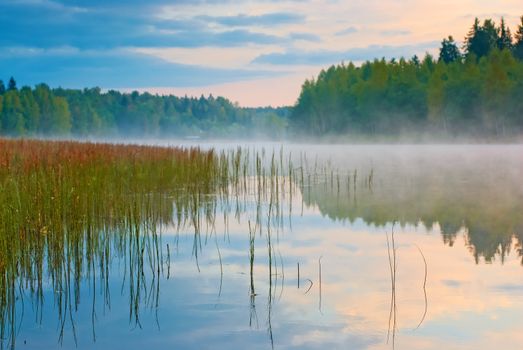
(68, 209)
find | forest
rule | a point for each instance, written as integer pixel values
(42, 111)
(475, 91)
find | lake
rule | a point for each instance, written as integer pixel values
(339, 246)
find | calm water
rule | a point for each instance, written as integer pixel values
(406, 247)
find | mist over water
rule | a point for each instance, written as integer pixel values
(374, 247)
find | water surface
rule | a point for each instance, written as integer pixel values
(373, 247)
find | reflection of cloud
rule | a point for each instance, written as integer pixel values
(356, 291)
(452, 283)
(510, 288)
(356, 287)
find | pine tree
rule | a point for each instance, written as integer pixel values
(2, 87)
(415, 60)
(471, 35)
(518, 45)
(449, 51)
(504, 41)
(12, 84)
(481, 39)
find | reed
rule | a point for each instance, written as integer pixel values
(68, 209)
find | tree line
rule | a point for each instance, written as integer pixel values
(476, 90)
(42, 111)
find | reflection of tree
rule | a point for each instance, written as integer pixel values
(488, 208)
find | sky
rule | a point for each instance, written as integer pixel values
(256, 53)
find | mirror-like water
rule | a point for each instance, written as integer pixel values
(358, 247)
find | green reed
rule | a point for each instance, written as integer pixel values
(68, 209)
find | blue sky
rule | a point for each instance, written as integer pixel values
(254, 52)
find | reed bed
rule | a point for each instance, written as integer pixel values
(68, 208)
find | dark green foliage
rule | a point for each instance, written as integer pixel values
(12, 84)
(479, 95)
(89, 112)
(2, 87)
(415, 60)
(518, 45)
(481, 39)
(449, 51)
(12, 121)
(504, 41)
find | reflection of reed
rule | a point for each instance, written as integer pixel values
(392, 265)
(424, 289)
(298, 275)
(391, 252)
(252, 314)
(252, 234)
(69, 211)
(319, 279)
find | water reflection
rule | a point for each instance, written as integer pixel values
(242, 267)
(476, 190)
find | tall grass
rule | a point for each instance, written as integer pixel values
(68, 208)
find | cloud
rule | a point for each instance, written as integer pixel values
(346, 31)
(40, 25)
(216, 37)
(45, 4)
(113, 69)
(322, 57)
(397, 32)
(305, 37)
(242, 20)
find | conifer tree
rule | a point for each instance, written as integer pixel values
(504, 41)
(449, 51)
(12, 84)
(518, 45)
(481, 39)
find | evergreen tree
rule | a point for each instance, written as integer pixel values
(459, 94)
(449, 51)
(481, 39)
(2, 87)
(415, 60)
(504, 41)
(491, 31)
(12, 84)
(518, 46)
